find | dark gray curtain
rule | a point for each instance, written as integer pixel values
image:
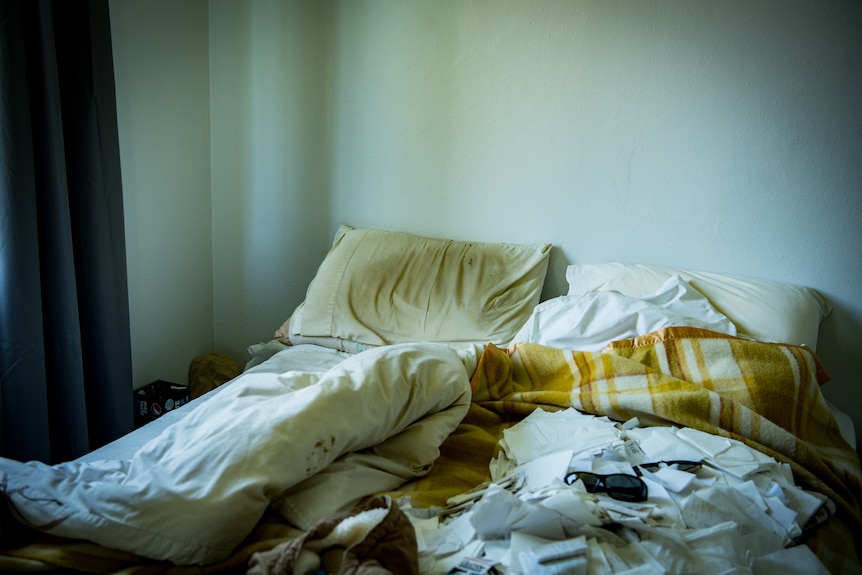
(65, 359)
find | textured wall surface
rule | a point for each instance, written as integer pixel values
(721, 136)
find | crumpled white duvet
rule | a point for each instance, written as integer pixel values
(193, 493)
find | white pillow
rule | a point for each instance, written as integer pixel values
(589, 321)
(767, 310)
(383, 287)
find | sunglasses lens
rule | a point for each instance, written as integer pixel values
(619, 486)
(625, 488)
(678, 465)
(591, 481)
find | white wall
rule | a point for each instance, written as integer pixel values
(270, 136)
(161, 67)
(722, 136)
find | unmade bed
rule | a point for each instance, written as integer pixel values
(423, 411)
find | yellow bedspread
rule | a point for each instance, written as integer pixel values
(765, 395)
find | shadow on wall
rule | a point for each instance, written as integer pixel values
(555, 282)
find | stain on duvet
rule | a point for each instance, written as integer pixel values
(320, 449)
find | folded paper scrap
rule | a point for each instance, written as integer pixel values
(739, 509)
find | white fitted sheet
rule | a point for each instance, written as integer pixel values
(308, 358)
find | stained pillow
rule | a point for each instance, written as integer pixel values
(767, 310)
(382, 287)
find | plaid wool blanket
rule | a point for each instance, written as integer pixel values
(766, 395)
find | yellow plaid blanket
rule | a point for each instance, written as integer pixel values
(765, 395)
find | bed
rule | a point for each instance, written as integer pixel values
(423, 411)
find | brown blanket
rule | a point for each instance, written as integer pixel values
(374, 539)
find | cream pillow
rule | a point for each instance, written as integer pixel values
(383, 287)
(767, 310)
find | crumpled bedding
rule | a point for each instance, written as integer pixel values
(376, 538)
(764, 395)
(194, 493)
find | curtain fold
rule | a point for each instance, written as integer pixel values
(65, 358)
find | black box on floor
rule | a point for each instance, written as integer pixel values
(157, 398)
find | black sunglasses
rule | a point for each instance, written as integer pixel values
(618, 485)
(677, 464)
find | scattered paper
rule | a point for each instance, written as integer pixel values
(734, 512)
(544, 469)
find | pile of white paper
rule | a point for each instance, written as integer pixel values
(738, 512)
